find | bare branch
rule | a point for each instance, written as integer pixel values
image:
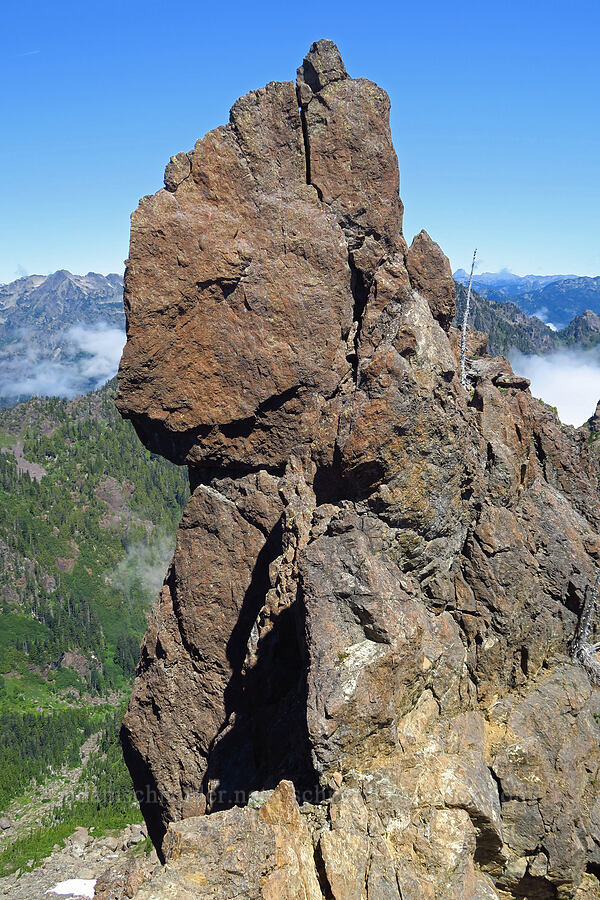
(583, 652)
(463, 343)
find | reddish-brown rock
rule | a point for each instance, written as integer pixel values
(430, 273)
(379, 575)
(350, 156)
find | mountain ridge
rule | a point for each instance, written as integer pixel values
(508, 326)
(59, 334)
(553, 298)
(514, 284)
(19, 297)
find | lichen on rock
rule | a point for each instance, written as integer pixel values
(378, 576)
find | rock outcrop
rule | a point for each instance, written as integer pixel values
(379, 575)
(594, 421)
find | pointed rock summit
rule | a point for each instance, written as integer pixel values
(594, 421)
(357, 681)
(322, 65)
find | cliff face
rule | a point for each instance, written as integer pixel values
(378, 575)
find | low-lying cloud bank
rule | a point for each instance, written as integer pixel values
(567, 379)
(144, 566)
(89, 356)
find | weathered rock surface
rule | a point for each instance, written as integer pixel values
(431, 275)
(379, 575)
(251, 853)
(594, 421)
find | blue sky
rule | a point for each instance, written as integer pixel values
(494, 117)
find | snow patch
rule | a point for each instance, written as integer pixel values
(75, 887)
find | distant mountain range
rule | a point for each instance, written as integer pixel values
(52, 303)
(552, 298)
(59, 333)
(507, 283)
(510, 328)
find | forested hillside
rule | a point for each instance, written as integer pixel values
(505, 324)
(87, 527)
(87, 511)
(509, 327)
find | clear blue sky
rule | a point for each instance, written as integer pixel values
(494, 116)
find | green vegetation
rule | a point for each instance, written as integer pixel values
(103, 799)
(7, 440)
(27, 852)
(77, 546)
(32, 692)
(84, 545)
(506, 325)
(31, 744)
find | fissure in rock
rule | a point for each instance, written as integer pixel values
(264, 737)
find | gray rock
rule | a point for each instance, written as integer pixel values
(109, 843)
(257, 799)
(136, 838)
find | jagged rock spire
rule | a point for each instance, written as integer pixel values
(378, 576)
(322, 65)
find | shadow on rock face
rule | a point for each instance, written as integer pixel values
(147, 792)
(265, 737)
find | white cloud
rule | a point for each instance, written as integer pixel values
(542, 314)
(566, 379)
(90, 357)
(144, 565)
(26, 53)
(103, 346)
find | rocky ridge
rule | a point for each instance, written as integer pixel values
(378, 577)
